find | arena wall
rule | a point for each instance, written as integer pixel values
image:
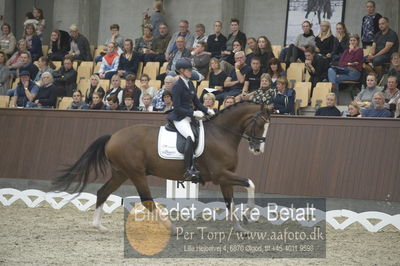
(305, 156)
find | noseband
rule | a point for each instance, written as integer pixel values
(253, 139)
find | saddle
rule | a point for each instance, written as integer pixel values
(181, 140)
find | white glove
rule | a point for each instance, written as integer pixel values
(198, 114)
(210, 112)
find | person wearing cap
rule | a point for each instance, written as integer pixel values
(184, 98)
(26, 90)
(79, 48)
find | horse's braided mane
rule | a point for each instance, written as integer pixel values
(230, 107)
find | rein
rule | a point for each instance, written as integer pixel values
(251, 138)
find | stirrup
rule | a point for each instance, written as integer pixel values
(192, 175)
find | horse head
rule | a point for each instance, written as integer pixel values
(246, 120)
(256, 129)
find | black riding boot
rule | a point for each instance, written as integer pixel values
(191, 173)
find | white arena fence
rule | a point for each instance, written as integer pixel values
(32, 198)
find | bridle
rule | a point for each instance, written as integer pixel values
(252, 139)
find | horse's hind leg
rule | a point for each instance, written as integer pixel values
(116, 180)
(227, 192)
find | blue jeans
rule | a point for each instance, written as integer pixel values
(11, 92)
(337, 78)
(232, 92)
(380, 60)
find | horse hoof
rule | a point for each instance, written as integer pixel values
(100, 227)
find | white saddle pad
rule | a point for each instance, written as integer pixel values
(167, 144)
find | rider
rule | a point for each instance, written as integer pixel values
(184, 95)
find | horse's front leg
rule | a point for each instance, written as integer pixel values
(230, 178)
(227, 192)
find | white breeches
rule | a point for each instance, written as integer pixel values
(184, 128)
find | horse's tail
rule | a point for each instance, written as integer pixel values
(93, 158)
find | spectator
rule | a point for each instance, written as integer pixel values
(146, 42)
(77, 101)
(217, 76)
(296, 51)
(4, 74)
(353, 110)
(110, 62)
(341, 41)
(230, 100)
(129, 103)
(264, 52)
(235, 35)
(183, 32)
(392, 93)
(65, 79)
(264, 94)
(45, 65)
(26, 90)
(115, 89)
(252, 80)
(46, 96)
(15, 62)
(28, 65)
(316, 65)
(251, 45)
(97, 103)
(330, 108)
(395, 66)
(364, 97)
(157, 18)
(30, 19)
(385, 43)
(235, 81)
(146, 107)
(146, 89)
(324, 41)
(116, 37)
(41, 25)
(113, 103)
(59, 45)
(129, 60)
(370, 24)
(132, 90)
(160, 44)
(7, 40)
(209, 101)
(180, 52)
(230, 58)
(216, 43)
(378, 109)
(350, 65)
(201, 60)
(283, 97)
(79, 46)
(33, 41)
(200, 35)
(275, 70)
(94, 86)
(167, 99)
(157, 101)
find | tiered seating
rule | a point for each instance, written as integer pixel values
(64, 103)
(156, 84)
(45, 49)
(99, 49)
(4, 101)
(105, 84)
(200, 88)
(163, 69)
(276, 50)
(303, 90)
(295, 73)
(152, 69)
(319, 94)
(85, 70)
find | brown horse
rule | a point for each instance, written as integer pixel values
(132, 153)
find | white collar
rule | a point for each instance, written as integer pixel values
(186, 81)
